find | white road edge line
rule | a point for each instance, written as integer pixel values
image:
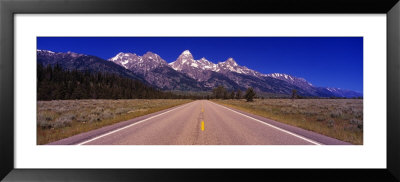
(280, 129)
(111, 132)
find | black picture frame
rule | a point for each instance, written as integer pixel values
(9, 8)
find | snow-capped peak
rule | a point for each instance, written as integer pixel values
(186, 55)
(150, 55)
(74, 54)
(231, 61)
(123, 56)
(288, 78)
(186, 52)
(185, 58)
(283, 76)
(137, 63)
(45, 51)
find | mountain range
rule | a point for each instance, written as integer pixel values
(188, 74)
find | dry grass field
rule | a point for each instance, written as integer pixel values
(64, 118)
(337, 118)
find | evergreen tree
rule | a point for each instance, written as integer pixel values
(220, 92)
(232, 95)
(238, 94)
(225, 94)
(294, 94)
(250, 94)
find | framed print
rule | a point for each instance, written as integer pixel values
(134, 90)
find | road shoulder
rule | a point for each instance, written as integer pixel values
(296, 130)
(82, 137)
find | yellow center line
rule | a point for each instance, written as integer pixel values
(202, 122)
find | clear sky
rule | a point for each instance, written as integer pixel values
(323, 61)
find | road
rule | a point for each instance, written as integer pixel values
(200, 122)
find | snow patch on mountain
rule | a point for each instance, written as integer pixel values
(138, 64)
(186, 52)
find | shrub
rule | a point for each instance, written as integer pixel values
(331, 123)
(359, 114)
(94, 117)
(82, 117)
(97, 110)
(357, 123)
(61, 122)
(46, 116)
(308, 113)
(45, 119)
(44, 124)
(69, 116)
(119, 111)
(349, 128)
(107, 114)
(336, 114)
(320, 118)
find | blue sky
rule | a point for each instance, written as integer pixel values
(323, 61)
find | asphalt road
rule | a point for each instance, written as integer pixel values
(200, 123)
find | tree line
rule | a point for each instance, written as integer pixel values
(56, 83)
(221, 92)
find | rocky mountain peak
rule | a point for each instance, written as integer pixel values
(289, 78)
(203, 59)
(231, 61)
(44, 51)
(123, 55)
(149, 56)
(184, 60)
(186, 52)
(138, 64)
(148, 53)
(73, 54)
(186, 55)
